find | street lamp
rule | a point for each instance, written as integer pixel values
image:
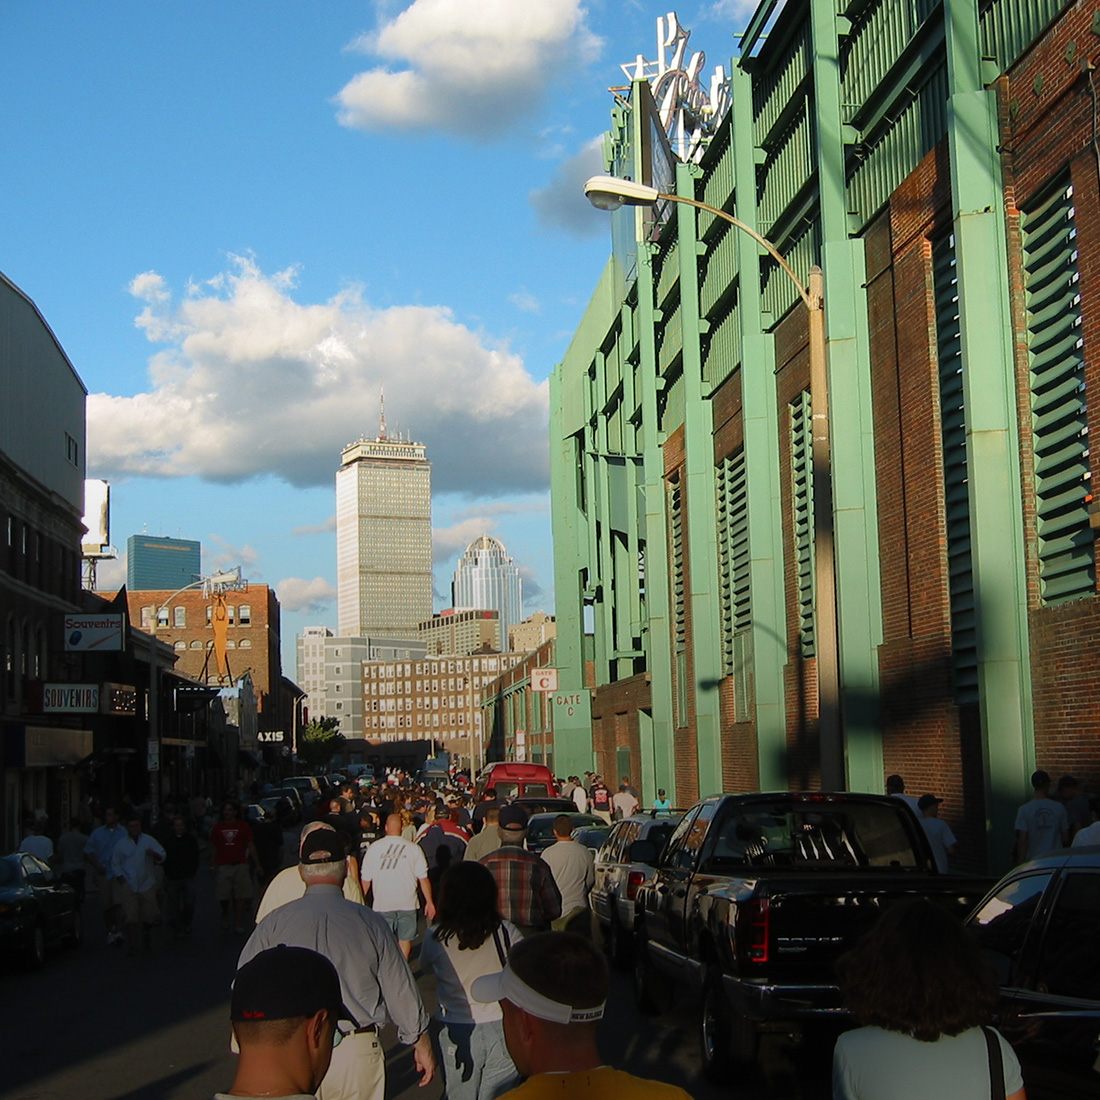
(610, 193)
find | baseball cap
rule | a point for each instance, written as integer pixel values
(513, 817)
(322, 846)
(927, 800)
(285, 982)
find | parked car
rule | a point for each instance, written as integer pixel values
(294, 797)
(280, 807)
(37, 909)
(618, 877)
(540, 828)
(1038, 929)
(308, 786)
(756, 895)
(593, 837)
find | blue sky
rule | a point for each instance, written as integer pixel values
(241, 219)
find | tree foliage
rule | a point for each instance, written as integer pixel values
(319, 742)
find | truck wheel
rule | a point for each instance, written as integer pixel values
(715, 1032)
(648, 989)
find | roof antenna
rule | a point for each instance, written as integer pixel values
(382, 410)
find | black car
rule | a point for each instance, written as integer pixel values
(1039, 928)
(36, 909)
(540, 828)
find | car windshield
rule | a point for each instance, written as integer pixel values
(8, 873)
(795, 833)
(506, 788)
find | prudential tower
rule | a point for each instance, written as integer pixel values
(383, 537)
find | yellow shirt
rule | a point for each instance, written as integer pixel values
(603, 1083)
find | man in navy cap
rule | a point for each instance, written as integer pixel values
(526, 892)
(285, 1007)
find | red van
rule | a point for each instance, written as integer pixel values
(514, 780)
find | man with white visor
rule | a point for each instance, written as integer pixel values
(552, 993)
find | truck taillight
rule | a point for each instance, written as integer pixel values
(633, 881)
(754, 930)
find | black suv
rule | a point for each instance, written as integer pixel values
(1040, 929)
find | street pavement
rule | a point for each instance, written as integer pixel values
(96, 1025)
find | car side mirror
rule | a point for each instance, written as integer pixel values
(644, 851)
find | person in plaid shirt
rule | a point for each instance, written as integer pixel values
(526, 892)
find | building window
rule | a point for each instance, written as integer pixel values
(181, 645)
(196, 645)
(231, 614)
(162, 616)
(179, 616)
(245, 615)
(147, 617)
(245, 643)
(72, 450)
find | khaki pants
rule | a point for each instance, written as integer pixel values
(357, 1070)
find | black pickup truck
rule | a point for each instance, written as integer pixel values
(755, 896)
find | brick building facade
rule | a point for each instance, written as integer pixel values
(937, 162)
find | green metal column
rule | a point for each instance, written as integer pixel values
(658, 758)
(992, 438)
(760, 417)
(702, 542)
(859, 592)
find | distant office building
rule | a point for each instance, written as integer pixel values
(460, 631)
(310, 654)
(383, 538)
(487, 577)
(162, 564)
(536, 629)
(431, 698)
(330, 671)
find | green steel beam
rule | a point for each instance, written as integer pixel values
(855, 526)
(760, 419)
(699, 511)
(992, 438)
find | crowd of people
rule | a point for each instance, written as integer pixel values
(509, 937)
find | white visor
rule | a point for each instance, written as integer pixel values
(506, 986)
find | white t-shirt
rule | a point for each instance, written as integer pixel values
(456, 970)
(38, 845)
(1090, 834)
(1044, 820)
(941, 838)
(392, 866)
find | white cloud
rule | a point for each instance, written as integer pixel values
(449, 543)
(111, 573)
(326, 527)
(251, 381)
(561, 203)
(471, 67)
(737, 11)
(297, 594)
(525, 302)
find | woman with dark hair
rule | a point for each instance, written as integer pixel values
(918, 984)
(469, 939)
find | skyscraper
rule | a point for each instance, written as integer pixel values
(383, 537)
(161, 563)
(487, 578)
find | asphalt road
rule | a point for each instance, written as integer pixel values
(96, 1025)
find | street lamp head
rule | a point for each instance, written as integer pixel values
(610, 192)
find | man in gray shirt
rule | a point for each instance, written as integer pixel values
(574, 871)
(375, 979)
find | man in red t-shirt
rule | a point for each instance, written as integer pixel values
(231, 845)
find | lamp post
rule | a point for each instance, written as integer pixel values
(610, 193)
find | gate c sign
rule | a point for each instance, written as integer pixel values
(567, 704)
(544, 679)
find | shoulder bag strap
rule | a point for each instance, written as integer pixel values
(501, 953)
(996, 1065)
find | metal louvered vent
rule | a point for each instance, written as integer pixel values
(734, 575)
(964, 651)
(802, 497)
(679, 598)
(1059, 411)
